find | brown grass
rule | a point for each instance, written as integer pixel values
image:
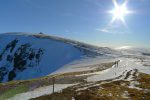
(106, 91)
(144, 80)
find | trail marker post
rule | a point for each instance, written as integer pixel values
(53, 82)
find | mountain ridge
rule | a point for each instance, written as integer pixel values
(23, 53)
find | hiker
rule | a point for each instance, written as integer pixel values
(118, 62)
(115, 63)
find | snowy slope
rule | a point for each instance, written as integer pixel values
(24, 56)
(84, 64)
(125, 65)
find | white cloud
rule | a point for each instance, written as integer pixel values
(123, 47)
(114, 29)
(104, 30)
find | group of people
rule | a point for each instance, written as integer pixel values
(116, 63)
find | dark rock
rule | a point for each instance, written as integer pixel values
(11, 75)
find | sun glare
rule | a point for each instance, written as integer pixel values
(119, 11)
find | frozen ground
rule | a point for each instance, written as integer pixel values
(125, 65)
(40, 91)
(85, 64)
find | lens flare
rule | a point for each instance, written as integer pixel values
(119, 11)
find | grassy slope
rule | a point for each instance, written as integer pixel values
(13, 91)
(12, 88)
(107, 91)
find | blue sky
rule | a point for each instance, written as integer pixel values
(82, 20)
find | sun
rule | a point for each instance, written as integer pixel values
(119, 11)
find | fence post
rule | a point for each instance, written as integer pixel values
(53, 84)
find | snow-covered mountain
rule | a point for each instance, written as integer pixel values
(24, 56)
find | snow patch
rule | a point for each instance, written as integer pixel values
(125, 65)
(40, 92)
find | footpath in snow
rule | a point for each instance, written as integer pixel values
(124, 66)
